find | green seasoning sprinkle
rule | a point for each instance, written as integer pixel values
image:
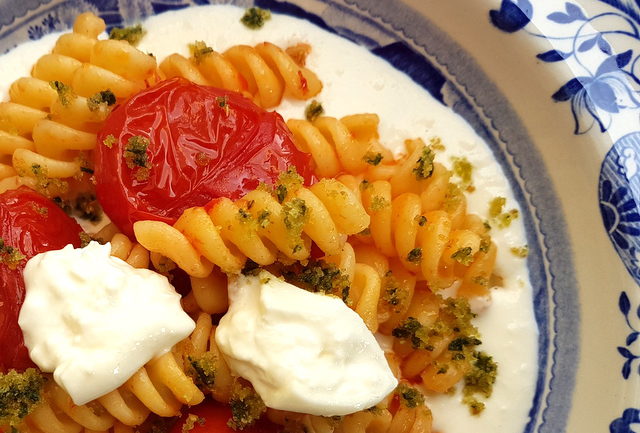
(498, 216)
(103, 98)
(65, 95)
(254, 18)
(131, 34)
(410, 396)
(464, 170)
(463, 256)
(9, 255)
(135, 152)
(372, 158)
(415, 255)
(521, 252)
(223, 103)
(199, 50)
(20, 393)
(109, 141)
(378, 203)
(424, 164)
(246, 406)
(313, 111)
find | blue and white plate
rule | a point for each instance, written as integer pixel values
(554, 88)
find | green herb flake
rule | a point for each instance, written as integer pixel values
(313, 111)
(409, 396)
(199, 49)
(378, 203)
(479, 380)
(135, 152)
(521, 252)
(20, 393)
(415, 255)
(109, 141)
(104, 98)
(296, 215)
(463, 256)
(436, 144)
(422, 220)
(246, 406)
(10, 256)
(365, 184)
(497, 214)
(424, 164)
(202, 370)
(372, 158)
(132, 34)
(254, 18)
(319, 277)
(264, 218)
(464, 170)
(65, 94)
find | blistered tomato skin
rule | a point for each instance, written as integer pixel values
(213, 418)
(32, 224)
(205, 143)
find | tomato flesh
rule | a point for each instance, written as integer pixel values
(204, 143)
(33, 224)
(215, 416)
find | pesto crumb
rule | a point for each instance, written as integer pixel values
(410, 396)
(422, 220)
(20, 393)
(463, 256)
(132, 34)
(190, 422)
(521, 252)
(202, 159)
(378, 203)
(497, 214)
(479, 380)
(10, 256)
(436, 144)
(255, 17)
(415, 255)
(319, 276)
(313, 111)
(203, 370)
(102, 98)
(135, 152)
(109, 141)
(263, 218)
(199, 49)
(246, 406)
(464, 170)
(372, 158)
(424, 164)
(295, 216)
(65, 94)
(364, 184)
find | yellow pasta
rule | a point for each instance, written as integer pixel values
(227, 232)
(264, 73)
(54, 115)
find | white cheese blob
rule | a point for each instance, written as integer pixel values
(94, 320)
(301, 351)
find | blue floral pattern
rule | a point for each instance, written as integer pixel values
(623, 424)
(627, 351)
(608, 83)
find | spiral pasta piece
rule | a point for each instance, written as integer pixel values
(258, 227)
(349, 144)
(264, 73)
(162, 387)
(53, 115)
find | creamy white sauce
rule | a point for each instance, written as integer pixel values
(356, 81)
(302, 352)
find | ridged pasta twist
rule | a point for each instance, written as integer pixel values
(257, 226)
(162, 387)
(264, 73)
(44, 129)
(416, 213)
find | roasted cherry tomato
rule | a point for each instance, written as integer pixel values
(214, 417)
(32, 224)
(201, 143)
